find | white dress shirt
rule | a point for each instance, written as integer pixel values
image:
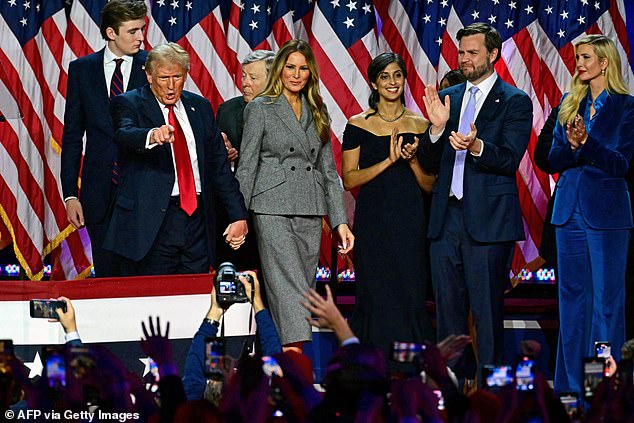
(484, 88)
(109, 65)
(183, 120)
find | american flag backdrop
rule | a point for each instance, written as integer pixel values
(31, 77)
(38, 40)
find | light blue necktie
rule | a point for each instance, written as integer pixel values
(468, 116)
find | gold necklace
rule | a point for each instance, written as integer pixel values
(400, 115)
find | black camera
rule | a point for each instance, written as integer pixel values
(229, 289)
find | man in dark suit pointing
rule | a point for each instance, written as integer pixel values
(478, 134)
(173, 158)
(93, 81)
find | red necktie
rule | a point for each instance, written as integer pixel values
(186, 185)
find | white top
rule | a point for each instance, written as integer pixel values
(183, 120)
(484, 88)
(109, 65)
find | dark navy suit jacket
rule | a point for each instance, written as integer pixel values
(491, 203)
(147, 175)
(194, 377)
(87, 103)
(231, 120)
(594, 175)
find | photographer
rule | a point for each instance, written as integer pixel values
(194, 379)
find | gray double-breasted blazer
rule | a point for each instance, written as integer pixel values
(285, 169)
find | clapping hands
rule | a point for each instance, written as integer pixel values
(437, 110)
(576, 132)
(400, 151)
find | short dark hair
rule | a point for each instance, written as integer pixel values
(116, 12)
(492, 38)
(376, 66)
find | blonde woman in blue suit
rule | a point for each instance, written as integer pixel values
(289, 181)
(592, 148)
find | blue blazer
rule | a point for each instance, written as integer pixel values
(147, 175)
(593, 175)
(87, 103)
(491, 202)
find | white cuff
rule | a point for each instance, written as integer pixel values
(481, 148)
(350, 341)
(149, 146)
(433, 138)
(71, 336)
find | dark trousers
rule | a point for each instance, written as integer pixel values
(105, 263)
(629, 291)
(467, 274)
(180, 247)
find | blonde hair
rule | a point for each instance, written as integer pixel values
(167, 53)
(274, 86)
(604, 48)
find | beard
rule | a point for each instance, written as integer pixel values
(477, 72)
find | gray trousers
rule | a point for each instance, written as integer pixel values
(289, 254)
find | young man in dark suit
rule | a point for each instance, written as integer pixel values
(478, 135)
(173, 159)
(93, 81)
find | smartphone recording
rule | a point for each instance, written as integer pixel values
(46, 309)
(407, 352)
(271, 367)
(441, 400)
(524, 374)
(602, 349)
(570, 402)
(55, 365)
(498, 376)
(593, 374)
(214, 358)
(81, 362)
(152, 377)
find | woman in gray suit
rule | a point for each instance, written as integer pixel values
(288, 178)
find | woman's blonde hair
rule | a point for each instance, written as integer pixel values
(274, 86)
(604, 48)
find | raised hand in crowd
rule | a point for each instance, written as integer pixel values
(452, 347)
(66, 318)
(326, 313)
(158, 346)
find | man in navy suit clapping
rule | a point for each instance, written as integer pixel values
(478, 135)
